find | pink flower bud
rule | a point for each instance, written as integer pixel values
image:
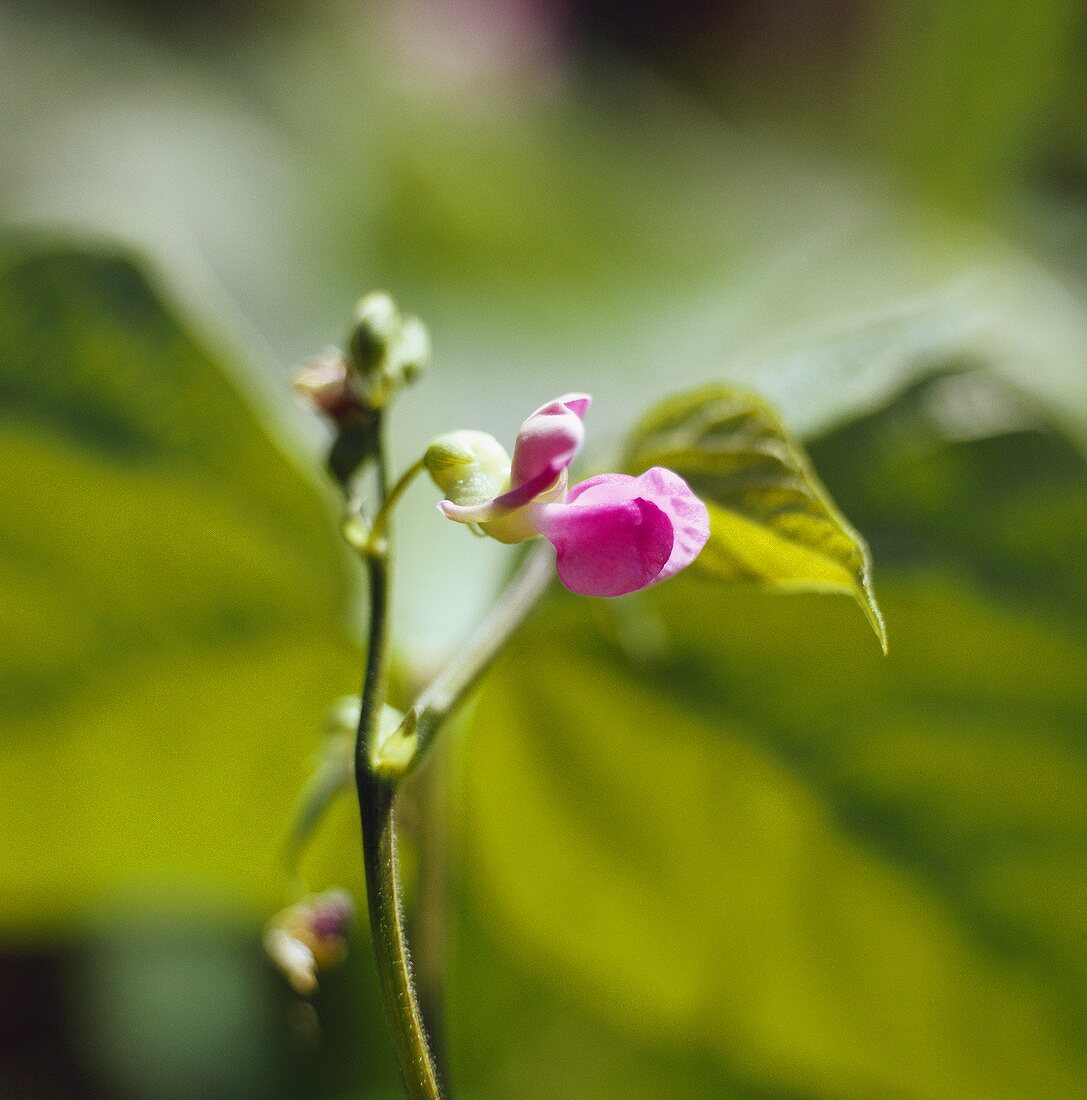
(548, 441)
(309, 937)
(329, 384)
(612, 534)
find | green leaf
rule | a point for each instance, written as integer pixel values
(170, 585)
(771, 863)
(771, 521)
(956, 91)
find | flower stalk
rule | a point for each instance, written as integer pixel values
(448, 690)
(377, 798)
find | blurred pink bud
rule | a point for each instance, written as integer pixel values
(329, 384)
(309, 937)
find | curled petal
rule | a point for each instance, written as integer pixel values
(549, 438)
(577, 403)
(670, 493)
(502, 505)
(608, 547)
(471, 513)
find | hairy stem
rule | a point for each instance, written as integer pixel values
(376, 806)
(417, 1065)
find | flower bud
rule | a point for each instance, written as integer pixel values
(377, 328)
(388, 351)
(413, 354)
(469, 467)
(309, 937)
(329, 385)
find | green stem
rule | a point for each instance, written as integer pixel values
(390, 943)
(379, 528)
(376, 806)
(448, 690)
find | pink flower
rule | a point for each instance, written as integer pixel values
(612, 534)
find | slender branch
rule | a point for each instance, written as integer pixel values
(450, 687)
(368, 540)
(380, 525)
(373, 684)
(376, 805)
(431, 793)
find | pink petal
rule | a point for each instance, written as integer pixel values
(670, 493)
(607, 548)
(549, 438)
(577, 403)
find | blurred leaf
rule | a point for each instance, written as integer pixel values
(982, 481)
(169, 585)
(774, 863)
(960, 94)
(771, 522)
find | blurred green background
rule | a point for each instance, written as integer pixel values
(705, 843)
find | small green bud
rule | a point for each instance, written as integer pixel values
(469, 467)
(387, 351)
(413, 352)
(396, 743)
(377, 329)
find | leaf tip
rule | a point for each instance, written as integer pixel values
(867, 599)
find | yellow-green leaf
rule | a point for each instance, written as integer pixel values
(771, 521)
(171, 586)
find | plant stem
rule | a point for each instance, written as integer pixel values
(381, 521)
(417, 1066)
(450, 687)
(377, 790)
(376, 807)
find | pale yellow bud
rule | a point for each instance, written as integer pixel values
(469, 467)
